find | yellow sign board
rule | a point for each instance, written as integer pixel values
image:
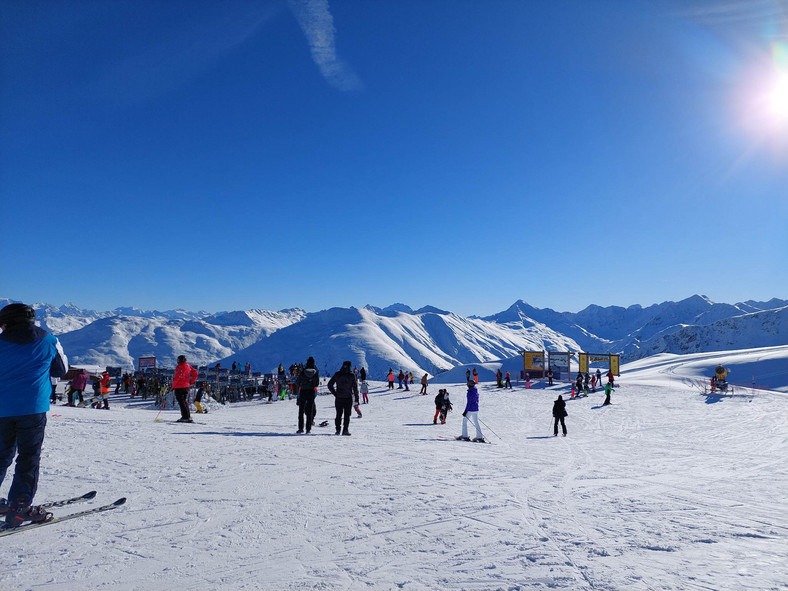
(583, 358)
(533, 360)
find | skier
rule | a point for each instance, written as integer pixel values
(424, 384)
(400, 377)
(78, 385)
(608, 390)
(508, 383)
(391, 379)
(599, 377)
(471, 412)
(559, 412)
(105, 379)
(550, 376)
(446, 408)
(579, 384)
(185, 376)
(586, 380)
(610, 378)
(306, 385)
(364, 388)
(28, 357)
(498, 378)
(438, 405)
(198, 399)
(362, 374)
(345, 390)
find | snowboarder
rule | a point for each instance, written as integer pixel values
(471, 413)
(559, 412)
(306, 390)
(28, 357)
(344, 387)
(185, 376)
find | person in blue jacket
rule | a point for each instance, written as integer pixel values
(29, 356)
(471, 413)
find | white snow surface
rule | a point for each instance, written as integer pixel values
(667, 488)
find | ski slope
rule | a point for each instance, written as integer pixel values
(668, 488)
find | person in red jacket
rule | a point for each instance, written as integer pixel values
(185, 376)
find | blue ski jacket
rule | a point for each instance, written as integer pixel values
(29, 356)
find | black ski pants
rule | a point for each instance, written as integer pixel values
(22, 436)
(563, 425)
(306, 407)
(182, 396)
(344, 406)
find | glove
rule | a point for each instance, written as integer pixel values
(463, 413)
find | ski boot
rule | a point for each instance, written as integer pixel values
(464, 438)
(346, 432)
(3, 506)
(16, 516)
(478, 440)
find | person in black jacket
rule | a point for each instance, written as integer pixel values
(305, 385)
(559, 412)
(344, 387)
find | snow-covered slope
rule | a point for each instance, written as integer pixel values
(757, 329)
(667, 488)
(427, 342)
(120, 340)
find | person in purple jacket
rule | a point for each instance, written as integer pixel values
(471, 412)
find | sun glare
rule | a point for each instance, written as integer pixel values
(778, 97)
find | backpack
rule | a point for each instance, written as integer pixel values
(309, 379)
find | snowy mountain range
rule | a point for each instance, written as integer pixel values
(427, 340)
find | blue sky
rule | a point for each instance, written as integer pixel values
(464, 154)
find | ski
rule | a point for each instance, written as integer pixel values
(7, 531)
(458, 438)
(89, 496)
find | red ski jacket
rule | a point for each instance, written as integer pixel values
(185, 376)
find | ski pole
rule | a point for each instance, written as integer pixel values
(161, 409)
(488, 427)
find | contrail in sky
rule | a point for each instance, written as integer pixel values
(315, 20)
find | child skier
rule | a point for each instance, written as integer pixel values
(364, 388)
(446, 407)
(438, 405)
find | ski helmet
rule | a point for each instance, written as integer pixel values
(17, 314)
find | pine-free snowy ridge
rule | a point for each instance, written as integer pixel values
(667, 488)
(428, 340)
